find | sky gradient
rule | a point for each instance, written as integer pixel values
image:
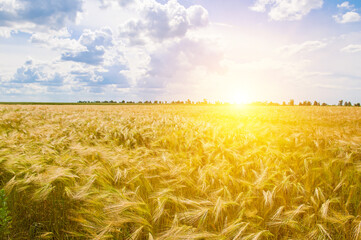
(243, 51)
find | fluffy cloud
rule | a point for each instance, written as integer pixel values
(57, 40)
(347, 13)
(99, 77)
(66, 78)
(94, 44)
(345, 5)
(348, 17)
(352, 48)
(111, 3)
(160, 22)
(54, 14)
(286, 9)
(6, 32)
(157, 49)
(36, 74)
(176, 61)
(162, 35)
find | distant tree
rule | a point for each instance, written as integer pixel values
(340, 103)
(315, 103)
(307, 103)
(324, 104)
(189, 101)
(357, 105)
(283, 103)
(292, 102)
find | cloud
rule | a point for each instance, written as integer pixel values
(94, 44)
(52, 14)
(177, 61)
(66, 78)
(260, 5)
(57, 40)
(289, 10)
(164, 21)
(345, 5)
(348, 17)
(111, 3)
(112, 75)
(31, 73)
(308, 46)
(157, 49)
(353, 48)
(97, 79)
(6, 32)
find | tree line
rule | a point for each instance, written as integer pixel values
(206, 102)
(189, 102)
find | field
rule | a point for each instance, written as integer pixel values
(180, 172)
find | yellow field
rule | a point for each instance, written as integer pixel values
(181, 172)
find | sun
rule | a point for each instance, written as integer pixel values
(240, 98)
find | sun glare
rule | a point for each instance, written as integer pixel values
(240, 98)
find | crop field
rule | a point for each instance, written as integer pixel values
(180, 172)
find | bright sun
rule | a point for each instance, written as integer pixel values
(240, 98)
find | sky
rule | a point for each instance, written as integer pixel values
(136, 50)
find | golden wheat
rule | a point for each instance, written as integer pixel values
(181, 172)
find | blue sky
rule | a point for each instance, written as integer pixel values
(243, 51)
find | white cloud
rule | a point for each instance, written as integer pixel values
(345, 5)
(198, 16)
(156, 49)
(93, 47)
(286, 9)
(177, 60)
(308, 46)
(57, 40)
(65, 78)
(260, 5)
(164, 21)
(352, 48)
(6, 32)
(348, 17)
(111, 3)
(49, 14)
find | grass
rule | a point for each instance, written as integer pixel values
(181, 172)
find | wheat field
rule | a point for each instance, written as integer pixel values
(180, 172)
